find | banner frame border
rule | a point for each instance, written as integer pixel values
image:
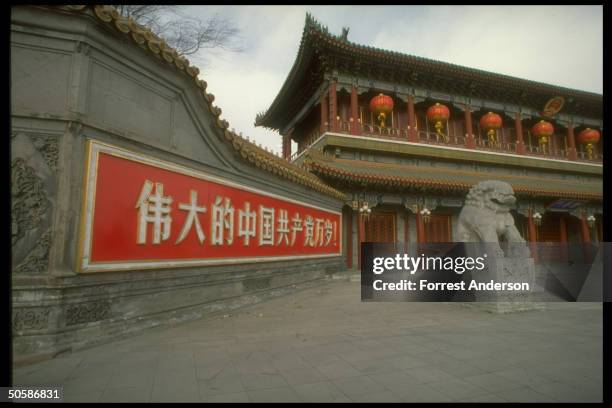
(85, 239)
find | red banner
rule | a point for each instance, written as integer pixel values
(140, 212)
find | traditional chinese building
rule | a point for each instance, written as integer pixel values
(134, 204)
(405, 137)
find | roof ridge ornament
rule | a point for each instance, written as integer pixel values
(344, 36)
(311, 21)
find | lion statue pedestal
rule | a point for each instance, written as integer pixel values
(510, 270)
(485, 225)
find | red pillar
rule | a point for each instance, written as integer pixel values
(349, 240)
(324, 113)
(360, 238)
(287, 146)
(518, 124)
(586, 234)
(571, 143)
(420, 228)
(600, 229)
(586, 239)
(333, 106)
(412, 132)
(469, 141)
(563, 238)
(356, 125)
(532, 237)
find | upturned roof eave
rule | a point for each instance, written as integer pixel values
(312, 28)
(266, 119)
(327, 167)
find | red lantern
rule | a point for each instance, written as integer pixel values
(542, 130)
(438, 113)
(491, 122)
(381, 105)
(588, 137)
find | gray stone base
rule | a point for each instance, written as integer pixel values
(505, 307)
(347, 275)
(98, 309)
(510, 270)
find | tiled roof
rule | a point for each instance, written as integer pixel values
(317, 37)
(157, 48)
(397, 57)
(392, 176)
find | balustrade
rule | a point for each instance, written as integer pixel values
(498, 145)
(505, 141)
(584, 156)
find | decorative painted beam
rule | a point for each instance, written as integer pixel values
(365, 85)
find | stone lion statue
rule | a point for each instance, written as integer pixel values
(486, 218)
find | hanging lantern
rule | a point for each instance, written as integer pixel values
(542, 130)
(588, 137)
(365, 211)
(438, 114)
(426, 215)
(381, 105)
(591, 221)
(491, 122)
(537, 219)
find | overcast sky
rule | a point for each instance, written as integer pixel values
(560, 45)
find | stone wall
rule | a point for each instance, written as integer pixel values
(74, 78)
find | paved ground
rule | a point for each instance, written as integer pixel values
(323, 344)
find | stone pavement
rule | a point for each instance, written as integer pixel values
(323, 344)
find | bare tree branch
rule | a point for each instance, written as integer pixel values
(187, 34)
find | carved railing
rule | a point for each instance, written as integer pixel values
(505, 141)
(370, 129)
(444, 139)
(584, 156)
(308, 141)
(497, 145)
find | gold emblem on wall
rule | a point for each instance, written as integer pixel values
(553, 106)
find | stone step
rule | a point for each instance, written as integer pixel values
(348, 275)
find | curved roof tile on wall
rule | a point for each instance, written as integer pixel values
(157, 48)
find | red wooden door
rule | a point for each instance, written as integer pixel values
(549, 237)
(550, 230)
(380, 227)
(438, 229)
